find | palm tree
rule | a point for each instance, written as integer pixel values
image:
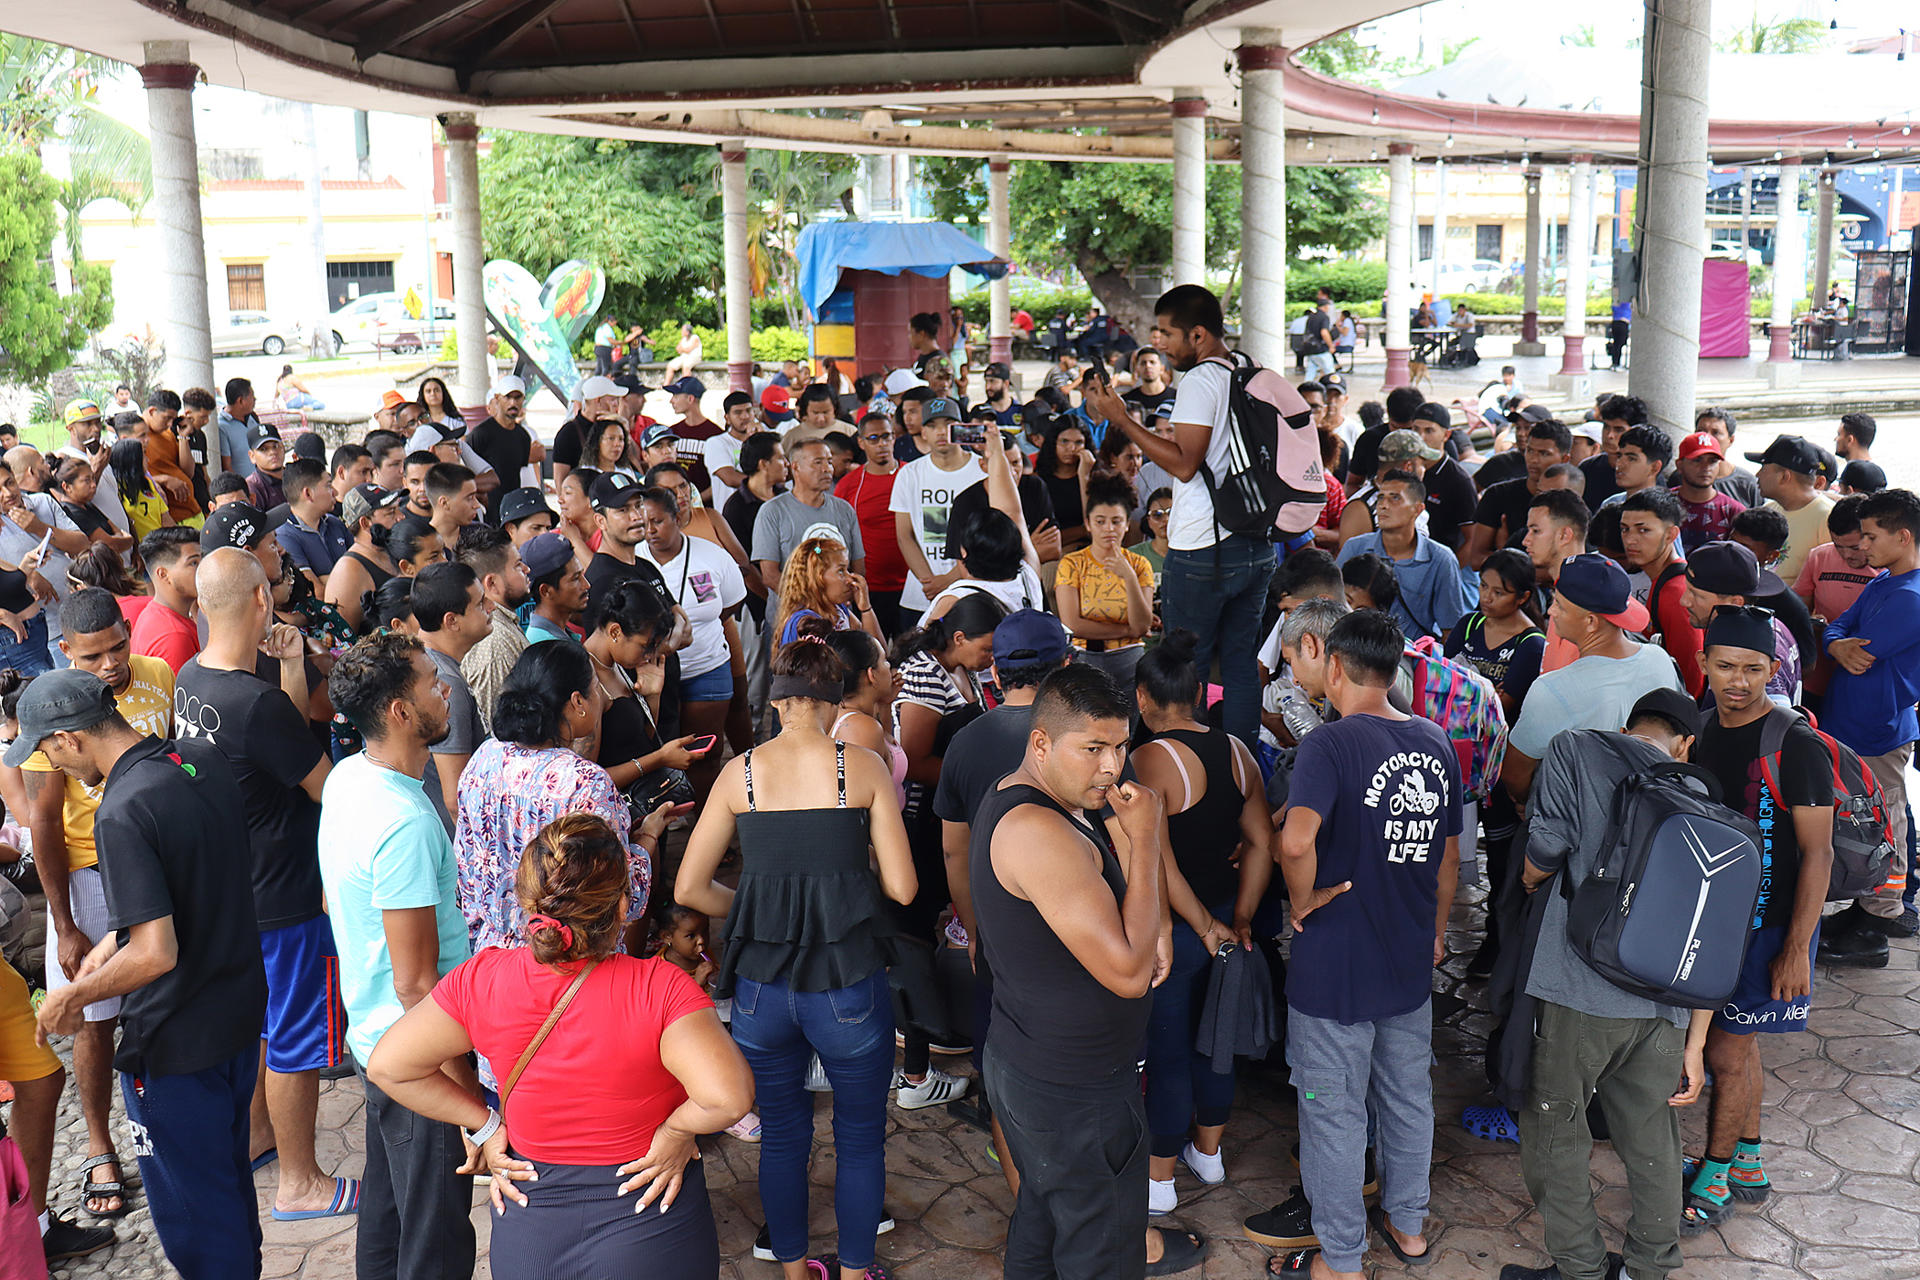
(785, 189)
(49, 93)
(1775, 35)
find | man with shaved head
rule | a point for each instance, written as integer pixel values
(222, 698)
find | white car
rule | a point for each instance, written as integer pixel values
(1482, 275)
(354, 322)
(394, 330)
(246, 332)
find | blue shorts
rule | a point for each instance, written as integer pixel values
(1751, 1008)
(306, 1023)
(709, 686)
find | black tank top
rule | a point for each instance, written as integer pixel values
(1052, 1020)
(807, 912)
(1206, 832)
(380, 577)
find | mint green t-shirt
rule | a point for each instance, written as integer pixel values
(382, 848)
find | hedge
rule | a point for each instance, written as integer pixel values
(770, 345)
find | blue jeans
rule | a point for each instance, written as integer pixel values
(1219, 594)
(30, 657)
(1183, 1089)
(851, 1028)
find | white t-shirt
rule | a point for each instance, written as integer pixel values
(16, 543)
(106, 494)
(1201, 400)
(721, 451)
(705, 582)
(926, 493)
(1022, 591)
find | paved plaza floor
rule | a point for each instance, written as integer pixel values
(1842, 1140)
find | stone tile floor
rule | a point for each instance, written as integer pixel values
(1843, 1139)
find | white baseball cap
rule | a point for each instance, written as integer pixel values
(595, 386)
(1590, 431)
(902, 380)
(506, 386)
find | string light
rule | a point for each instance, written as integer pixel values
(1376, 115)
(1309, 142)
(1449, 138)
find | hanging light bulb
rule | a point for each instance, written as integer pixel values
(1449, 137)
(1373, 153)
(1309, 142)
(1376, 115)
(1905, 129)
(1776, 155)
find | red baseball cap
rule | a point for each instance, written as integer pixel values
(776, 401)
(1701, 442)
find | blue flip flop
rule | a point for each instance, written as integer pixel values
(346, 1200)
(264, 1159)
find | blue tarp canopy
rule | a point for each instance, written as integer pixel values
(925, 248)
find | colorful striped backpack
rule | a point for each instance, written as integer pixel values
(1464, 703)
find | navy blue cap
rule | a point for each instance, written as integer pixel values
(543, 553)
(1600, 586)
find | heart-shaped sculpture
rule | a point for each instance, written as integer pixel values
(533, 325)
(572, 293)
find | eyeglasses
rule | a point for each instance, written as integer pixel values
(1159, 513)
(878, 436)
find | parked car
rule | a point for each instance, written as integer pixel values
(246, 332)
(394, 330)
(354, 322)
(1482, 275)
(1732, 249)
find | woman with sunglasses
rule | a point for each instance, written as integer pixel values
(868, 489)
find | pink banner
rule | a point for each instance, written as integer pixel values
(1724, 309)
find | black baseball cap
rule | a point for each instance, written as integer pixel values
(261, 432)
(1862, 476)
(1796, 453)
(239, 524)
(522, 503)
(1672, 706)
(1729, 569)
(613, 489)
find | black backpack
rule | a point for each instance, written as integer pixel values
(1274, 484)
(1862, 840)
(1668, 909)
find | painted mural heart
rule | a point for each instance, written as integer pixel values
(572, 294)
(542, 322)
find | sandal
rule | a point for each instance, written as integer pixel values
(1491, 1124)
(746, 1128)
(1298, 1263)
(1744, 1192)
(91, 1190)
(1179, 1251)
(346, 1202)
(830, 1265)
(1700, 1212)
(1379, 1217)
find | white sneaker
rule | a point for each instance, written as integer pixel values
(1161, 1198)
(1210, 1169)
(937, 1088)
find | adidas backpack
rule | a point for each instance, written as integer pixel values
(1668, 908)
(1862, 839)
(1465, 704)
(1274, 484)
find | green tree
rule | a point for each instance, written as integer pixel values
(40, 330)
(786, 189)
(646, 214)
(1775, 35)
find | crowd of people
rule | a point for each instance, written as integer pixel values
(785, 752)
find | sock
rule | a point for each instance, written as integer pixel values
(1746, 1169)
(1710, 1183)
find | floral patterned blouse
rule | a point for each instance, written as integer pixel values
(507, 794)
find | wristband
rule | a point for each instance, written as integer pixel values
(478, 1137)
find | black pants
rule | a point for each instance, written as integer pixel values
(578, 1226)
(413, 1207)
(1082, 1155)
(1616, 341)
(603, 360)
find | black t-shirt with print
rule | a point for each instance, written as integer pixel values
(271, 748)
(1805, 775)
(1505, 505)
(507, 450)
(167, 813)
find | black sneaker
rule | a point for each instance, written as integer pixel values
(1372, 1185)
(1616, 1266)
(1855, 949)
(1857, 919)
(763, 1243)
(1288, 1225)
(65, 1239)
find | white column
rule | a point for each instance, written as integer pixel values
(475, 374)
(1572, 377)
(1189, 188)
(185, 328)
(319, 319)
(1669, 209)
(1439, 224)
(1823, 235)
(1000, 240)
(1789, 275)
(733, 220)
(1530, 344)
(1263, 197)
(1399, 300)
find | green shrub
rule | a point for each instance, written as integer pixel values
(1037, 299)
(771, 344)
(1342, 279)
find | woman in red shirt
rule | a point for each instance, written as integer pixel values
(610, 1102)
(868, 490)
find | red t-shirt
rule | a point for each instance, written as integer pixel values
(596, 1090)
(1677, 633)
(159, 632)
(870, 496)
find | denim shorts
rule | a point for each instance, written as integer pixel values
(709, 686)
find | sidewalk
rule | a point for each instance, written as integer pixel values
(1842, 1134)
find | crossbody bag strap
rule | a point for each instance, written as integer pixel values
(540, 1036)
